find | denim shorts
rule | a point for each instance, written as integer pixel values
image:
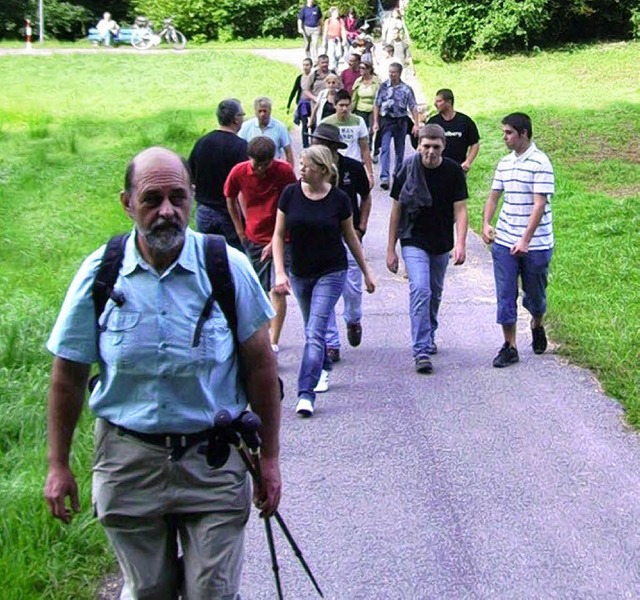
(533, 270)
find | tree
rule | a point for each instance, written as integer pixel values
(457, 29)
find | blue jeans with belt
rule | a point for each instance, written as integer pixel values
(395, 129)
(426, 281)
(317, 297)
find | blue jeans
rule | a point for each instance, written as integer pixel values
(352, 299)
(533, 269)
(317, 297)
(210, 220)
(395, 129)
(426, 280)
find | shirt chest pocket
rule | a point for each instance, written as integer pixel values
(216, 341)
(119, 337)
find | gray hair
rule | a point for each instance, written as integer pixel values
(262, 101)
(228, 110)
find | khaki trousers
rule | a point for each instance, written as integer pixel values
(147, 503)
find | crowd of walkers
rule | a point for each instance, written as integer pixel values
(305, 236)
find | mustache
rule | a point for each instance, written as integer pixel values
(160, 225)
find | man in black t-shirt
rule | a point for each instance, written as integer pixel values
(211, 160)
(430, 193)
(353, 181)
(463, 139)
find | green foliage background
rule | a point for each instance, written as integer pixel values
(458, 29)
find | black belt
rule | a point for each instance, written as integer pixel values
(178, 443)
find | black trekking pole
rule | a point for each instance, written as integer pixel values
(248, 424)
(224, 423)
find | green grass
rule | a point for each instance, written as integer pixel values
(69, 124)
(585, 106)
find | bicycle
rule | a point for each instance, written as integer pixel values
(143, 37)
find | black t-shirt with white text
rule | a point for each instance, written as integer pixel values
(433, 226)
(314, 227)
(461, 133)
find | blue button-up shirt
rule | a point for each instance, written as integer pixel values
(152, 379)
(310, 15)
(395, 101)
(276, 130)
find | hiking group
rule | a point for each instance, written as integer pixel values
(186, 329)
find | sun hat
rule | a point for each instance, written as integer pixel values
(329, 133)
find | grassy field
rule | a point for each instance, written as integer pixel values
(69, 123)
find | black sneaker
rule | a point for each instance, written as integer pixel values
(333, 354)
(384, 184)
(354, 334)
(433, 349)
(508, 355)
(539, 340)
(423, 364)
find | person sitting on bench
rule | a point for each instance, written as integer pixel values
(107, 29)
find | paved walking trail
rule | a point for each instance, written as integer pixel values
(472, 482)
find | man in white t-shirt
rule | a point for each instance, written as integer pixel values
(523, 237)
(353, 132)
(107, 29)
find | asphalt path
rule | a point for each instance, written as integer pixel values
(471, 482)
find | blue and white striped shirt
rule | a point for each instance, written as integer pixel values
(520, 177)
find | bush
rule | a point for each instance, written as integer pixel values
(457, 29)
(66, 21)
(635, 23)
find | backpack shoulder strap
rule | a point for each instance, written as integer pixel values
(107, 274)
(223, 290)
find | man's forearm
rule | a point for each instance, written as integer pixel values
(66, 397)
(490, 207)
(232, 207)
(461, 216)
(394, 221)
(263, 389)
(288, 154)
(365, 212)
(473, 152)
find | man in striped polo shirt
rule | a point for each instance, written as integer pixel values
(523, 236)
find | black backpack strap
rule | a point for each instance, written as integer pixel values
(107, 274)
(223, 290)
(103, 285)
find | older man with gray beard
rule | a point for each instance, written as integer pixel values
(157, 394)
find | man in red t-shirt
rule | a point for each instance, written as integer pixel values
(254, 187)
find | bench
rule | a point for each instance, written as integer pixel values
(123, 37)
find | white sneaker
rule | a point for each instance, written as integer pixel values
(323, 382)
(304, 408)
(275, 348)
